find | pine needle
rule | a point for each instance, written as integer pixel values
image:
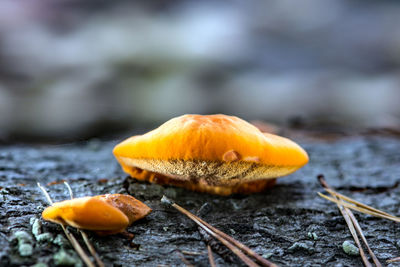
(210, 256)
(234, 245)
(358, 228)
(351, 220)
(192, 253)
(68, 234)
(346, 216)
(185, 261)
(358, 203)
(84, 235)
(393, 260)
(360, 209)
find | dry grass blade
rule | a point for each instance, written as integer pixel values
(71, 193)
(351, 219)
(48, 198)
(69, 235)
(362, 210)
(210, 256)
(84, 235)
(234, 245)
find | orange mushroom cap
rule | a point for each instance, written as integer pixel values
(213, 150)
(105, 213)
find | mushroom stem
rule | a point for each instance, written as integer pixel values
(234, 245)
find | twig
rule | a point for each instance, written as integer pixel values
(351, 219)
(69, 235)
(84, 235)
(210, 256)
(234, 245)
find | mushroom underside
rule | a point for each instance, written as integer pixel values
(216, 177)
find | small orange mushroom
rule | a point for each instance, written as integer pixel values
(105, 214)
(217, 154)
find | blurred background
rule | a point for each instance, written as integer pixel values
(71, 70)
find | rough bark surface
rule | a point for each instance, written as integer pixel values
(289, 224)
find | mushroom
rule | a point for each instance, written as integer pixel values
(105, 214)
(216, 154)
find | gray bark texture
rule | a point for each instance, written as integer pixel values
(288, 224)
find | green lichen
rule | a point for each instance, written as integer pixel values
(306, 246)
(24, 243)
(4, 191)
(267, 255)
(350, 249)
(45, 237)
(25, 249)
(312, 235)
(63, 258)
(36, 228)
(61, 241)
(40, 264)
(22, 237)
(170, 192)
